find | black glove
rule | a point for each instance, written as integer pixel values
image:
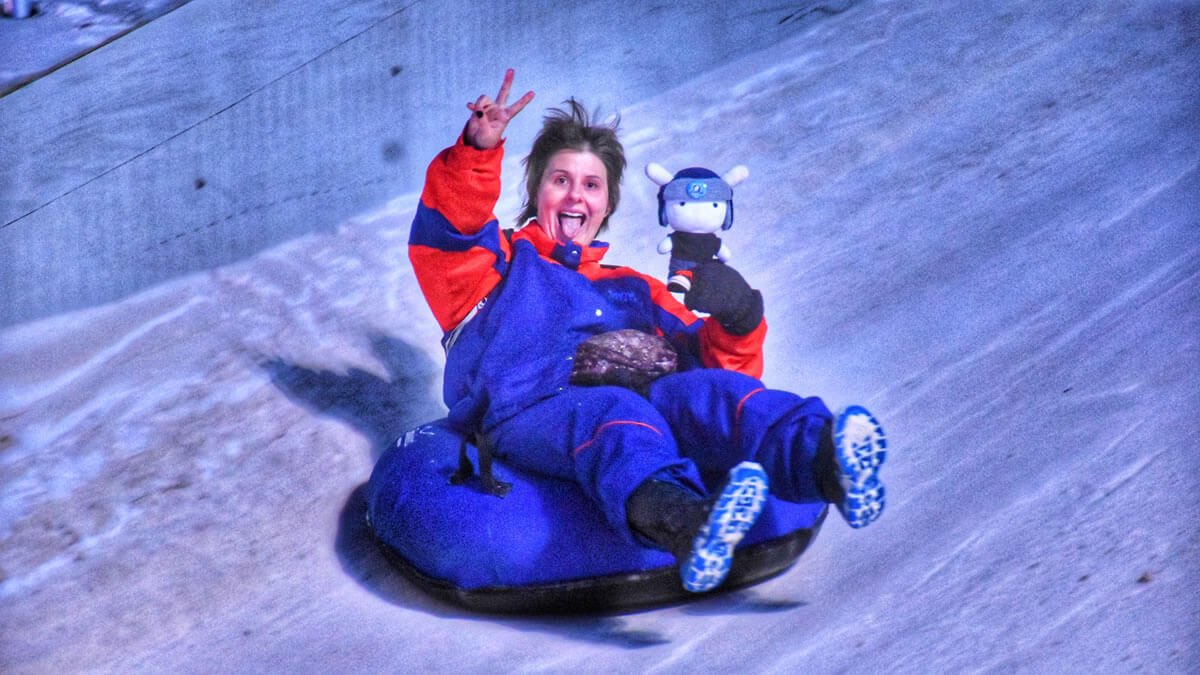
(719, 290)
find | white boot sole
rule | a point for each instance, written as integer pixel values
(860, 448)
(736, 510)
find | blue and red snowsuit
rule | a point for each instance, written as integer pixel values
(514, 312)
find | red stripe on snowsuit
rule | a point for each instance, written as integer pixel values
(608, 425)
(737, 415)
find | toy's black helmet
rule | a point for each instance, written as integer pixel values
(696, 184)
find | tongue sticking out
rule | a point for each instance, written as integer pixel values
(570, 225)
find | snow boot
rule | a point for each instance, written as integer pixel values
(852, 449)
(701, 533)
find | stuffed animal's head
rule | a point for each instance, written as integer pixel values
(696, 199)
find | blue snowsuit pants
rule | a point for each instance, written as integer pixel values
(693, 428)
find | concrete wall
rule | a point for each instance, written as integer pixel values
(224, 128)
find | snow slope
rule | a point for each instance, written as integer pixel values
(980, 219)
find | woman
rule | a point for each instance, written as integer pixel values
(515, 307)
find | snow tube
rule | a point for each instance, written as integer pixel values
(544, 547)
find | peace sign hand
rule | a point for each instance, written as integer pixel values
(485, 128)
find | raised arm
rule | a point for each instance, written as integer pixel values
(455, 244)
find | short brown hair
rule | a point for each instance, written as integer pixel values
(570, 128)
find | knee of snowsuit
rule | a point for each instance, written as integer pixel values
(694, 427)
(721, 417)
(606, 439)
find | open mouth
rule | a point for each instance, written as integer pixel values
(571, 224)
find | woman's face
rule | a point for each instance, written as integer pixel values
(572, 199)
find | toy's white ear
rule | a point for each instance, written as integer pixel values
(658, 173)
(736, 175)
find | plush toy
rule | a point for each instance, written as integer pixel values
(694, 204)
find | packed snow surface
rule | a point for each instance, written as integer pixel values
(981, 220)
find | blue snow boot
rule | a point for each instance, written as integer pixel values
(701, 532)
(852, 450)
(734, 512)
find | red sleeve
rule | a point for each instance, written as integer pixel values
(743, 353)
(716, 347)
(463, 184)
(456, 248)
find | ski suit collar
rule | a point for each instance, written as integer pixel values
(569, 255)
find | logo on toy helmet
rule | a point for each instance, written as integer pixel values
(697, 189)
